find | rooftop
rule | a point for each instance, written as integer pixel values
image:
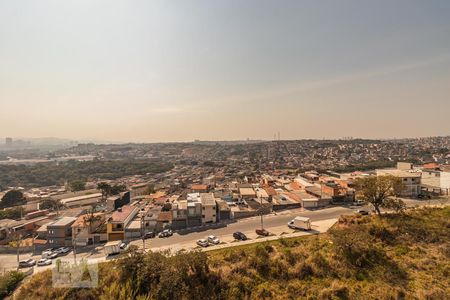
(122, 214)
(65, 221)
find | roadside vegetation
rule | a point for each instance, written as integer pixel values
(397, 256)
(9, 281)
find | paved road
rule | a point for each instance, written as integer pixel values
(246, 225)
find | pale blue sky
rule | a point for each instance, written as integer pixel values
(182, 70)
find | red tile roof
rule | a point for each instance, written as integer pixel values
(199, 187)
(270, 191)
(122, 214)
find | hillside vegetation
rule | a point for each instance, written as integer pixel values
(46, 174)
(402, 256)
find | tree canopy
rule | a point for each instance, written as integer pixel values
(379, 191)
(12, 198)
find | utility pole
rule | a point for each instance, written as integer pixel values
(261, 209)
(74, 243)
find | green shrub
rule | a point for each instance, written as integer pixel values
(9, 281)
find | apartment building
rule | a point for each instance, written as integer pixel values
(209, 208)
(411, 181)
(436, 180)
(59, 233)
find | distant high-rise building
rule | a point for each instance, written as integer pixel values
(8, 141)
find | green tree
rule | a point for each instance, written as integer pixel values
(378, 190)
(11, 213)
(151, 189)
(117, 189)
(77, 185)
(50, 204)
(105, 188)
(12, 198)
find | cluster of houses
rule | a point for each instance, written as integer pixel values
(134, 213)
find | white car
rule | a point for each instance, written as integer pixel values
(62, 250)
(203, 243)
(44, 262)
(212, 239)
(49, 254)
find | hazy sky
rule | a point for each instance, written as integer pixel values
(183, 70)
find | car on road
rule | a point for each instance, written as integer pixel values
(49, 255)
(212, 239)
(239, 236)
(362, 212)
(123, 247)
(165, 233)
(262, 232)
(27, 263)
(62, 250)
(44, 262)
(149, 235)
(359, 203)
(202, 243)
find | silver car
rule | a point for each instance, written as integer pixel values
(212, 239)
(44, 262)
(203, 243)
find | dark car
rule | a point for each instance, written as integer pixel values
(27, 263)
(149, 235)
(262, 232)
(239, 236)
(363, 212)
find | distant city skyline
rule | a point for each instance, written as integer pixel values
(167, 71)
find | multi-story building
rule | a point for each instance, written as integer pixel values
(209, 208)
(119, 220)
(59, 233)
(436, 180)
(86, 230)
(411, 181)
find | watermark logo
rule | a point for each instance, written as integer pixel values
(80, 275)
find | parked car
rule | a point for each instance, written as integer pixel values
(165, 233)
(149, 235)
(44, 262)
(262, 232)
(62, 250)
(359, 203)
(239, 236)
(203, 243)
(123, 246)
(212, 239)
(49, 255)
(27, 263)
(362, 212)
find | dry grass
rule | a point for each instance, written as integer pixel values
(394, 257)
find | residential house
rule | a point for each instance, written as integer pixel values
(85, 229)
(119, 220)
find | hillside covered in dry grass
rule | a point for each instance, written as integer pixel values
(405, 256)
